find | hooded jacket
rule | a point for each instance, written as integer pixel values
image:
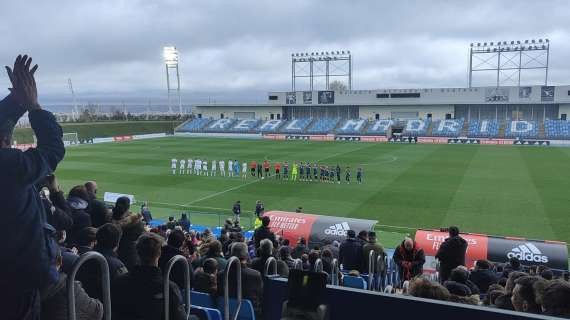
(350, 254)
(132, 226)
(81, 219)
(451, 254)
(28, 247)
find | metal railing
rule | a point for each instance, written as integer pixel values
(105, 280)
(268, 263)
(381, 260)
(371, 269)
(335, 273)
(166, 288)
(231, 262)
(298, 264)
(318, 267)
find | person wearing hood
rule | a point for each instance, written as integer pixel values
(132, 227)
(350, 253)
(410, 259)
(482, 275)
(78, 201)
(459, 283)
(451, 253)
(54, 300)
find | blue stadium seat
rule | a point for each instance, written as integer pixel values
(220, 125)
(354, 282)
(483, 129)
(246, 311)
(521, 129)
(270, 126)
(323, 126)
(416, 128)
(195, 125)
(206, 313)
(378, 127)
(557, 129)
(245, 125)
(447, 128)
(352, 126)
(295, 126)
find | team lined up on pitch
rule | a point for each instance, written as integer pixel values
(297, 171)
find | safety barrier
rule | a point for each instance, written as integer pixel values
(371, 269)
(335, 272)
(231, 262)
(318, 266)
(105, 279)
(166, 290)
(268, 263)
(298, 264)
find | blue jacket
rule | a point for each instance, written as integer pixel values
(26, 250)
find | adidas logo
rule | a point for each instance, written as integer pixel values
(338, 229)
(528, 252)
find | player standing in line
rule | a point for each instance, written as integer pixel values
(244, 170)
(301, 171)
(214, 168)
(286, 170)
(222, 165)
(332, 174)
(338, 173)
(205, 167)
(230, 168)
(266, 167)
(182, 166)
(348, 175)
(315, 172)
(253, 166)
(359, 175)
(197, 167)
(173, 166)
(259, 170)
(294, 171)
(278, 170)
(237, 210)
(236, 168)
(189, 166)
(308, 171)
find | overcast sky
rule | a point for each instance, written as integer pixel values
(243, 48)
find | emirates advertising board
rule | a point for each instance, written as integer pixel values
(552, 254)
(315, 229)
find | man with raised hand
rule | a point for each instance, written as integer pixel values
(29, 248)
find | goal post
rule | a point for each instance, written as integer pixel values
(70, 138)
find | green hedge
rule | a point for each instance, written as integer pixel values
(104, 129)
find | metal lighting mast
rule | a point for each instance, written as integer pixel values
(75, 110)
(315, 65)
(170, 55)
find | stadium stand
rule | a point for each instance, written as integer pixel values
(483, 129)
(296, 125)
(194, 125)
(245, 126)
(416, 127)
(352, 126)
(557, 129)
(521, 129)
(270, 126)
(220, 125)
(379, 127)
(447, 128)
(323, 126)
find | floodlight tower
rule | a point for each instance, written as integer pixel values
(75, 109)
(313, 65)
(170, 55)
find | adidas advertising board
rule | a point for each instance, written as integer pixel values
(540, 143)
(315, 229)
(346, 138)
(463, 141)
(497, 249)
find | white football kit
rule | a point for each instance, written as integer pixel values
(189, 167)
(182, 166)
(222, 164)
(198, 166)
(244, 170)
(174, 163)
(230, 168)
(214, 168)
(205, 167)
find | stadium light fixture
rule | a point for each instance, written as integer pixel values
(170, 55)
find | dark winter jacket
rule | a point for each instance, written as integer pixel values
(483, 278)
(68, 260)
(177, 272)
(410, 262)
(54, 302)
(132, 227)
(90, 273)
(139, 295)
(251, 286)
(259, 265)
(264, 233)
(58, 214)
(457, 288)
(98, 212)
(350, 254)
(299, 250)
(26, 249)
(334, 249)
(205, 282)
(379, 250)
(451, 254)
(81, 219)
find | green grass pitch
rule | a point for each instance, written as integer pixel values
(498, 190)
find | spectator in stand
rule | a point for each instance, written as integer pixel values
(205, 278)
(228, 225)
(259, 209)
(55, 205)
(556, 299)
(378, 249)
(54, 300)
(96, 209)
(108, 237)
(423, 288)
(214, 251)
(547, 274)
(285, 256)
(252, 284)
(264, 252)
(171, 224)
(69, 256)
(86, 240)
(363, 237)
(461, 289)
(146, 214)
(184, 222)
(451, 253)
(138, 294)
(504, 301)
(410, 259)
(132, 227)
(264, 232)
(524, 296)
(514, 264)
(482, 275)
(173, 248)
(300, 249)
(78, 201)
(350, 253)
(327, 258)
(314, 256)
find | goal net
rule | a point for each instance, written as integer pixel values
(70, 138)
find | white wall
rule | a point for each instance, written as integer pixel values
(229, 111)
(438, 111)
